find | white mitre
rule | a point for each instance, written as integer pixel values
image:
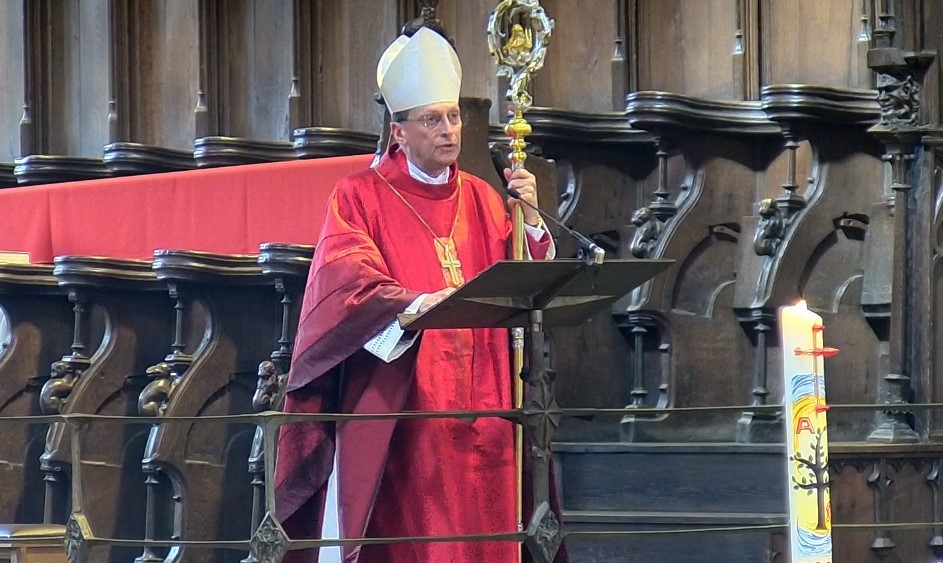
(419, 70)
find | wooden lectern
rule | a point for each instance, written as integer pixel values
(535, 294)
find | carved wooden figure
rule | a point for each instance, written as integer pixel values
(287, 266)
(709, 154)
(808, 242)
(910, 145)
(602, 169)
(39, 327)
(137, 322)
(227, 316)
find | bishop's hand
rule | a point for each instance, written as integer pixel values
(434, 298)
(526, 184)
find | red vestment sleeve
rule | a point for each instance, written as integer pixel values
(349, 297)
(538, 248)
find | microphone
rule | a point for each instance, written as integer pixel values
(590, 252)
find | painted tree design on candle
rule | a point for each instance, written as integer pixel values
(813, 471)
(801, 334)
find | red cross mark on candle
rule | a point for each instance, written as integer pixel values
(817, 352)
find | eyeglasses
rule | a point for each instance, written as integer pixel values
(433, 121)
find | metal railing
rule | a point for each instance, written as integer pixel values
(270, 543)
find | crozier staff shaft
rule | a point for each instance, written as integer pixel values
(518, 32)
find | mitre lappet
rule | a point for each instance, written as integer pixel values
(419, 70)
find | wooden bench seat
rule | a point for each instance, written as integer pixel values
(32, 543)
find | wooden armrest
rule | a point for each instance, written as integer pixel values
(31, 531)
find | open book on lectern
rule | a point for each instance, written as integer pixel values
(567, 291)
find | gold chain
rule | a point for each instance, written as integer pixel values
(435, 237)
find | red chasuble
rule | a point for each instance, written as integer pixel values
(412, 477)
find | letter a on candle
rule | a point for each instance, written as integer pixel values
(810, 515)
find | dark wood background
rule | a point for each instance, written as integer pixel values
(120, 70)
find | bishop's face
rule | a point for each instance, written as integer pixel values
(431, 136)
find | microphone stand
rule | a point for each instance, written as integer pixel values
(589, 252)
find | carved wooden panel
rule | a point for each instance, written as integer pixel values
(687, 47)
(256, 68)
(577, 73)
(677, 322)
(359, 32)
(64, 75)
(775, 175)
(812, 42)
(707, 48)
(931, 26)
(935, 277)
(667, 487)
(832, 284)
(12, 77)
(578, 57)
(168, 73)
(304, 100)
(608, 186)
(809, 240)
(604, 170)
(39, 324)
(79, 121)
(36, 58)
(138, 319)
(207, 374)
(870, 489)
(466, 23)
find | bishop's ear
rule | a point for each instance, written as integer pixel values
(397, 134)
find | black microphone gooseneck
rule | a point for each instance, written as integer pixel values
(589, 250)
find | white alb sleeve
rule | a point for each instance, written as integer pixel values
(391, 342)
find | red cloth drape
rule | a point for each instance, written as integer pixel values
(226, 210)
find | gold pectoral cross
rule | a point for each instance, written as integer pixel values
(451, 267)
